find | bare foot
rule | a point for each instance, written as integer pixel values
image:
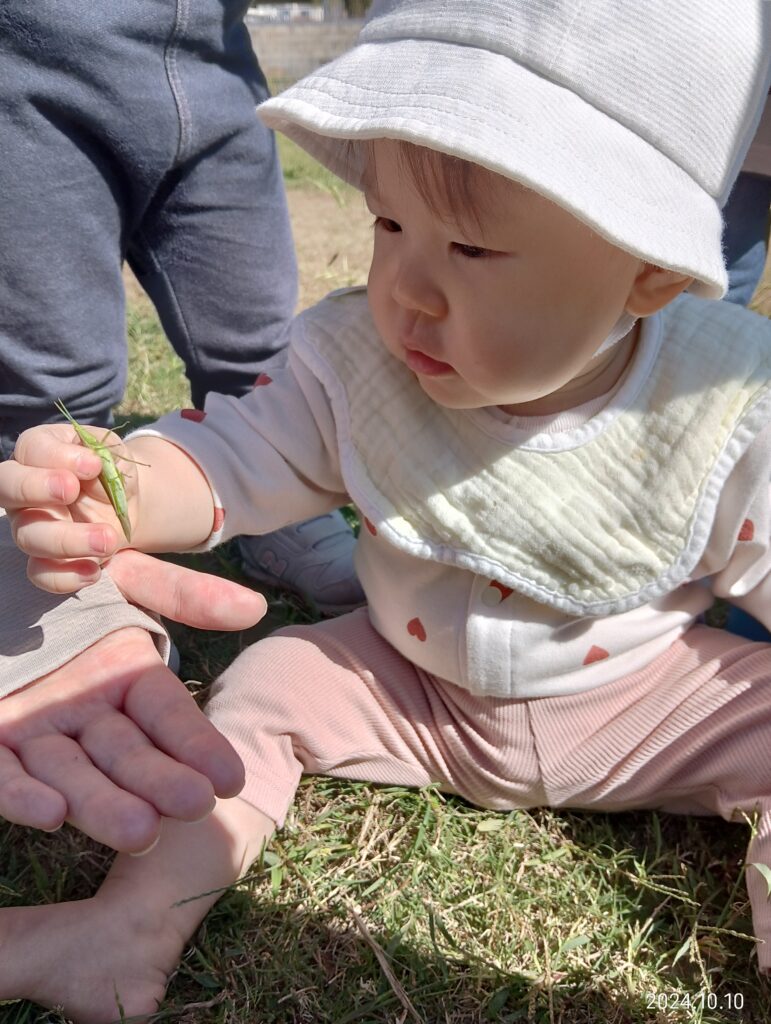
(111, 956)
(88, 959)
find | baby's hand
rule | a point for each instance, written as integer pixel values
(60, 513)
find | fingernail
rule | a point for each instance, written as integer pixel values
(197, 821)
(143, 853)
(97, 542)
(56, 488)
(88, 464)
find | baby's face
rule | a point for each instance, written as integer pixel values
(502, 312)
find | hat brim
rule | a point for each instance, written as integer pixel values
(543, 135)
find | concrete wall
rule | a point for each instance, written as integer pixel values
(289, 51)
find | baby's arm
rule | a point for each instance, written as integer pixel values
(175, 507)
(244, 466)
(61, 514)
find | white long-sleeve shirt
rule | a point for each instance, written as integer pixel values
(515, 558)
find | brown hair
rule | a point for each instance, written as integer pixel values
(448, 185)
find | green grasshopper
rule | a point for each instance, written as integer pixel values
(111, 477)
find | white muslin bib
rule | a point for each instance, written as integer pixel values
(595, 521)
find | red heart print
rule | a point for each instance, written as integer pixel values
(747, 531)
(494, 593)
(262, 380)
(219, 519)
(416, 628)
(196, 415)
(370, 526)
(595, 654)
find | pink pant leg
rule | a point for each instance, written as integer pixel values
(690, 734)
(759, 852)
(336, 699)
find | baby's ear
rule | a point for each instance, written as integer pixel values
(653, 288)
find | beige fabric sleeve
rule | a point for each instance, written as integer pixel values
(40, 632)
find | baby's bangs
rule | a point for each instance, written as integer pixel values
(450, 187)
(446, 184)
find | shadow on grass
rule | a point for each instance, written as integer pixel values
(686, 875)
(343, 975)
(301, 944)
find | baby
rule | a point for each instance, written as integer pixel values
(559, 460)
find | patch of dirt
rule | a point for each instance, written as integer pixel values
(333, 240)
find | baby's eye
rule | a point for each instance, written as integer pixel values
(471, 252)
(387, 224)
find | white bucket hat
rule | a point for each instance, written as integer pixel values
(634, 116)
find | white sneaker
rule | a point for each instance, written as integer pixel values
(313, 559)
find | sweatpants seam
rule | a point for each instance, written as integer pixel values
(175, 80)
(191, 353)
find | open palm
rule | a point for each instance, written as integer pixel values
(112, 741)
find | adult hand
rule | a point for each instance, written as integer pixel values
(112, 741)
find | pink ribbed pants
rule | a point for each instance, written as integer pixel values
(691, 733)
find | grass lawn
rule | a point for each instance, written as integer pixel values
(387, 905)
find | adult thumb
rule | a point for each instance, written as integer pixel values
(198, 599)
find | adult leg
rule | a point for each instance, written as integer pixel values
(215, 253)
(745, 241)
(746, 244)
(214, 249)
(77, 91)
(106, 116)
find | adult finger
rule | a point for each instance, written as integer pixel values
(198, 599)
(122, 751)
(27, 801)
(165, 710)
(95, 805)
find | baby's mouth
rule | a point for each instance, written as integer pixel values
(425, 366)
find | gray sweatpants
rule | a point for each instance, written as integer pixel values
(129, 132)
